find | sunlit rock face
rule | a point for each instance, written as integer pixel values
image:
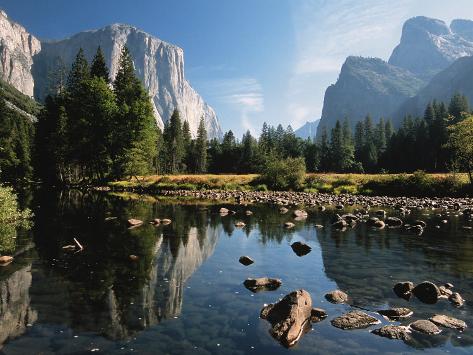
(428, 45)
(17, 48)
(30, 65)
(15, 310)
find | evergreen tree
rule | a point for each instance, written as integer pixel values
(79, 72)
(174, 141)
(324, 151)
(99, 68)
(458, 107)
(201, 148)
(187, 146)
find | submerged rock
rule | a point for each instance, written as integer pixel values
(404, 289)
(262, 284)
(448, 322)
(248, 213)
(354, 320)
(246, 260)
(240, 224)
(224, 211)
(425, 326)
(393, 332)
(456, 299)
(301, 248)
(283, 210)
(336, 296)
(396, 313)
(166, 221)
(445, 292)
(427, 292)
(289, 225)
(317, 315)
(290, 317)
(393, 222)
(300, 214)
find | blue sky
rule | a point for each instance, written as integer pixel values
(252, 60)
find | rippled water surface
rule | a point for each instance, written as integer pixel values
(184, 294)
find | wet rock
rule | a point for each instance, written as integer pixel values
(322, 208)
(427, 292)
(381, 213)
(283, 210)
(420, 223)
(340, 224)
(319, 226)
(111, 218)
(354, 320)
(290, 317)
(301, 248)
(132, 222)
(416, 229)
(448, 322)
(456, 299)
(240, 224)
(262, 284)
(289, 225)
(425, 326)
(445, 292)
(448, 285)
(393, 332)
(396, 313)
(317, 315)
(223, 211)
(155, 222)
(375, 223)
(246, 260)
(248, 213)
(5, 260)
(133, 257)
(166, 221)
(340, 206)
(393, 222)
(336, 296)
(300, 214)
(404, 289)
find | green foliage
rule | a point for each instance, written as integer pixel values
(461, 142)
(284, 174)
(99, 68)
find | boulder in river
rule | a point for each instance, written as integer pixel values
(404, 289)
(448, 322)
(300, 248)
(375, 223)
(300, 214)
(283, 210)
(354, 320)
(166, 221)
(340, 224)
(5, 260)
(289, 225)
(133, 222)
(393, 332)
(223, 211)
(240, 224)
(393, 222)
(396, 313)
(427, 292)
(262, 284)
(336, 296)
(425, 326)
(290, 317)
(246, 260)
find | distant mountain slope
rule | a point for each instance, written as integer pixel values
(308, 130)
(367, 86)
(458, 77)
(428, 45)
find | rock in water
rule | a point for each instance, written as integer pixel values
(300, 214)
(396, 313)
(336, 296)
(448, 322)
(289, 225)
(290, 317)
(354, 320)
(404, 289)
(425, 326)
(132, 222)
(393, 332)
(427, 292)
(246, 260)
(393, 222)
(300, 248)
(240, 224)
(456, 299)
(317, 315)
(166, 221)
(5, 260)
(262, 284)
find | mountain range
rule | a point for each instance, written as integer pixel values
(432, 61)
(308, 130)
(28, 63)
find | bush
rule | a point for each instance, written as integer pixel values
(284, 174)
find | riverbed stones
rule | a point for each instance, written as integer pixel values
(166, 221)
(425, 326)
(290, 317)
(456, 299)
(133, 222)
(448, 322)
(155, 222)
(133, 257)
(404, 289)
(283, 210)
(445, 292)
(336, 296)
(223, 211)
(354, 320)
(301, 248)
(423, 224)
(5, 260)
(262, 284)
(427, 292)
(396, 313)
(340, 224)
(248, 213)
(317, 315)
(375, 223)
(240, 224)
(246, 260)
(289, 225)
(300, 214)
(393, 222)
(393, 332)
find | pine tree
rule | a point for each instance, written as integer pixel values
(99, 68)
(429, 113)
(174, 141)
(324, 151)
(458, 107)
(79, 72)
(201, 148)
(248, 153)
(187, 146)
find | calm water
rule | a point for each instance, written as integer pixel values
(185, 295)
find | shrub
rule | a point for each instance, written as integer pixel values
(284, 174)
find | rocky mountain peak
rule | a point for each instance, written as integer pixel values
(463, 28)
